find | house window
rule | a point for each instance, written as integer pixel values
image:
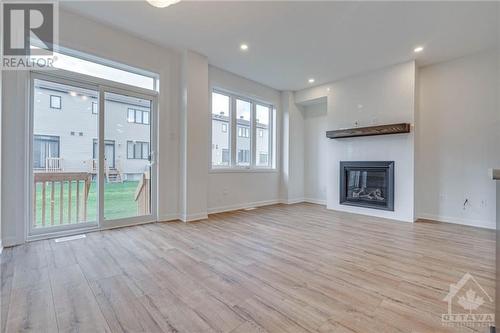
(138, 116)
(221, 151)
(263, 141)
(44, 147)
(55, 102)
(263, 158)
(94, 107)
(251, 141)
(137, 150)
(225, 156)
(243, 156)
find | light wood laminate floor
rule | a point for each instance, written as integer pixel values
(282, 268)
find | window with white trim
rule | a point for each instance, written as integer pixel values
(55, 102)
(137, 150)
(243, 132)
(138, 116)
(95, 107)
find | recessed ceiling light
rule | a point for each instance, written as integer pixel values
(162, 3)
(311, 80)
(418, 49)
(244, 47)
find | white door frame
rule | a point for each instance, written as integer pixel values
(101, 86)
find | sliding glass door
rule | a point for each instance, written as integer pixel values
(127, 184)
(92, 155)
(64, 188)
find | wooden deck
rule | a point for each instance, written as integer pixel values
(296, 268)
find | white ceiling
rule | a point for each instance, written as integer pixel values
(290, 42)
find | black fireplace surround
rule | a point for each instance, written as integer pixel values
(367, 184)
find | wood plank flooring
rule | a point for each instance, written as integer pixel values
(282, 268)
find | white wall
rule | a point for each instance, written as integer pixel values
(239, 189)
(381, 97)
(459, 136)
(194, 131)
(315, 153)
(292, 172)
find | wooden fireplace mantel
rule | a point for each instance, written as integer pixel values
(369, 131)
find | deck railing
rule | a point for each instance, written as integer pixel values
(52, 164)
(143, 194)
(57, 189)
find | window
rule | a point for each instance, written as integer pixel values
(55, 102)
(243, 156)
(131, 116)
(137, 150)
(138, 116)
(263, 158)
(243, 142)
(243, 132)
(221, 156)
(44, 148)
(225, 156)
(94, 107)
(145, 117)
(263, 141)
(79, 62)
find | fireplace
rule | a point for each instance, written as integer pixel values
(367, 184)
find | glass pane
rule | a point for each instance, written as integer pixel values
(138, 116)
(127, 180)
(262, 116)
(64, 170)
(145, 151)
(145, 118)
(130, 149)
(94, 69)
(243, 140)
(131, 115)
(220, 133)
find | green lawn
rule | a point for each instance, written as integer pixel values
(118, 202)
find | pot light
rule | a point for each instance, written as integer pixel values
(311, 80)
(418, 49)
(162, 3)
(243, 47)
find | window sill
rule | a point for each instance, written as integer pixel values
(243, 170)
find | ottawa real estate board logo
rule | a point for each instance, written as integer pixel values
(469, 305)
(29, 34)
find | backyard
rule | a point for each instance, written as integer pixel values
(118, 202)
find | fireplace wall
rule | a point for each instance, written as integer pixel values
(381, 97)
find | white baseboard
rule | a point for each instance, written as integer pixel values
(292, 201)
(229, 208)
(315, 201)
(458, 220)
(193, 217)
(168, 217)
